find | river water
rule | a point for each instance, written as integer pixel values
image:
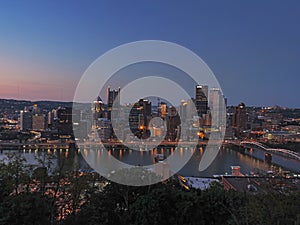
(249, 161)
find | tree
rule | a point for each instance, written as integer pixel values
(13, 172)
(26, 209)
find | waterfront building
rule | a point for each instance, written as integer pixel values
(104, 129)
(64, 122)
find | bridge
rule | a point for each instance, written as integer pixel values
(32, 145)
(118, 144)
(287, 152)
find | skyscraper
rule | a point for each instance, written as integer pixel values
(201, 99)
(64, 121)
(183, 110)
(173, 123)
(25, 120)
(140, 115)
(98, 108)
(217, 107)
(112, 95)
(162, 109)
(239, 120)
(38, 122)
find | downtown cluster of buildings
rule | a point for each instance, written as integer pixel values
(95, 121)
(194, 118)
(113, 121)
(55, 124)
(264, 124)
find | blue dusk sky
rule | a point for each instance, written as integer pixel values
(253, 47)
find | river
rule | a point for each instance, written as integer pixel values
(249, 161)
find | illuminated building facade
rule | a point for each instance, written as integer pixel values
(239, 119)
(201, 99)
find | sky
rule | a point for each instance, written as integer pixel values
(253, 47)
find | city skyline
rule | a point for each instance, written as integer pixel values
(251, 47)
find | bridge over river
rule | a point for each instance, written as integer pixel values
(280, 151)
(118, 145)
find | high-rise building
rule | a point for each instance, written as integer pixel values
(113, 99)
(64, 122)
(104, 129)
(173, 123)
(25, 120)
(32, 119)
(239, 119)
(201, 99)
(85, 128)
(50, 119)
(38, 122)
(98, 109)
(139, 116)
(217, 107)
(112, 95)
(183, 111)
(190, 109)
(162, 109)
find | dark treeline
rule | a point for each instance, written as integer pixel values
(38, 197)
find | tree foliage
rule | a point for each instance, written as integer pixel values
(72, 198)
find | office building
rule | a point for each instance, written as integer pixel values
(112, 95)
(38, 122)
(173, 123)
(201, 99)
(104, 129)
(64, 122)
(98, 109)
(217, 107)
(139, 116)
(113, 99)
(162, 109)
(25, 120)
(239, 119)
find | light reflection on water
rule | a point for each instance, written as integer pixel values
(221, 165)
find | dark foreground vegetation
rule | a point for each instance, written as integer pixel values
(41, 197)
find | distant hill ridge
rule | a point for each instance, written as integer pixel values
(12, 105)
